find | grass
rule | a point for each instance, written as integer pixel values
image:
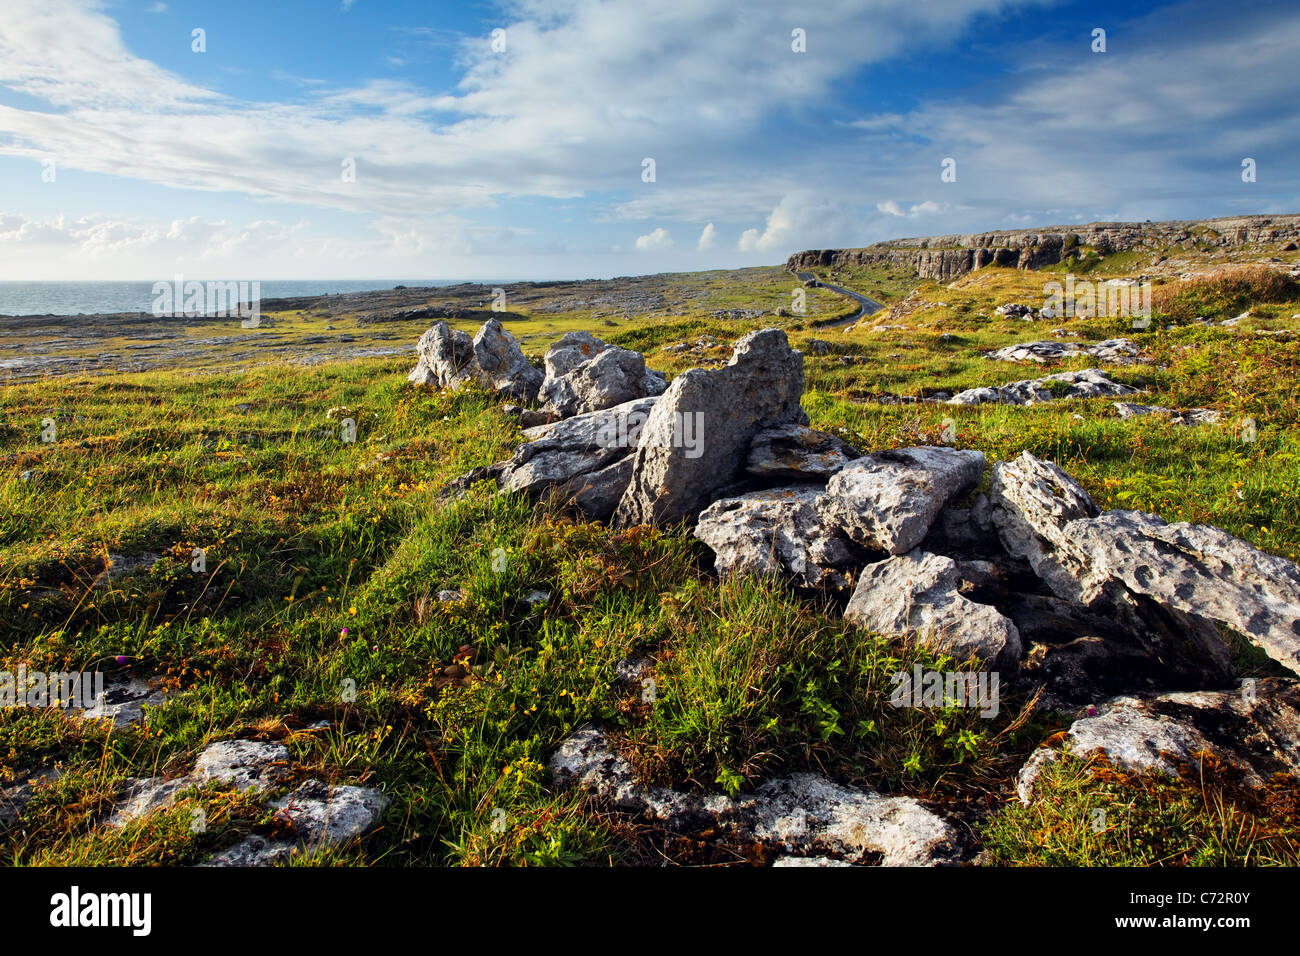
(325, 559)
(1088, 813)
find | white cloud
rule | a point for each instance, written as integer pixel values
(929, 207)
(567, 112)
(707, 238)
(157, 8)
(654, 241)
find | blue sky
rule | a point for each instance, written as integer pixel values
(124, 153)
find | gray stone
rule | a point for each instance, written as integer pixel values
(918, 594)
(1089, 383)
(1119, 351)
(142, 796)
(502, 364)
(1191, 416)
(697, 438)
(1255, 729)
(125, 700)
(576, 447)
(14, 799)
(450, 359)
(445, 358)
(327, 816)
(793, 452)
(778, 531)
(1200, 572)
(888, 500)
(248, 764)
(614, 376)
(598, 493)
(801, 814)
(321, 816)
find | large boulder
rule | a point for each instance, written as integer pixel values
(778, 531)
(1254, 729)
(502, 363)
(449, 358)
(570, 352)
(612, 377)
(793, 452)
(698, 436)
(577, 447)
(887, 500)
(918, 594)
(445, 358)
(1199, 576)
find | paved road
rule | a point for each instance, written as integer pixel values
(868, 305)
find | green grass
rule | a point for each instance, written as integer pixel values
(1090, 814)
(325, 559)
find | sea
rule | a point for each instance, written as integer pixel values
(90, 298)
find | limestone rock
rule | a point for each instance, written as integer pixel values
(1255, 729)
(697, 438)
(793, 452)
(1089, 383)
(1199, 572)
(445, 358)
(918, 594)
(888, 500)
(1191, 416)
(1119, 351)
(502, 364)
(575, 447)
(803, 814)
(778, 531)
(248, 764)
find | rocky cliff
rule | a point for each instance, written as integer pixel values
(943, 258)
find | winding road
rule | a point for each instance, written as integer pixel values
(868, 305)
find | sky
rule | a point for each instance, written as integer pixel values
(306, 139)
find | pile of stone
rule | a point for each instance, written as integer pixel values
(1088, 383)
(582, 374)
(1032, 578)
(1118, 351)
(1015, 310)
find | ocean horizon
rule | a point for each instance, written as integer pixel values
(70, 297)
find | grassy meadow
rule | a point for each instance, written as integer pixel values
(324, 560)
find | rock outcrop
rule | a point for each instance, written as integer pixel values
(944, 258)
(1195, 575)
(1252, 729)
(802, 814)
(583, 374)
(797, 452)
(576, 455)
(918, 595)
(697, 439)
(1119, 351)
(777, 531)
(449, 358)
(887, 501)
(1088, 383)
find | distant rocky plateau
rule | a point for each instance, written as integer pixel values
(944, 258)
